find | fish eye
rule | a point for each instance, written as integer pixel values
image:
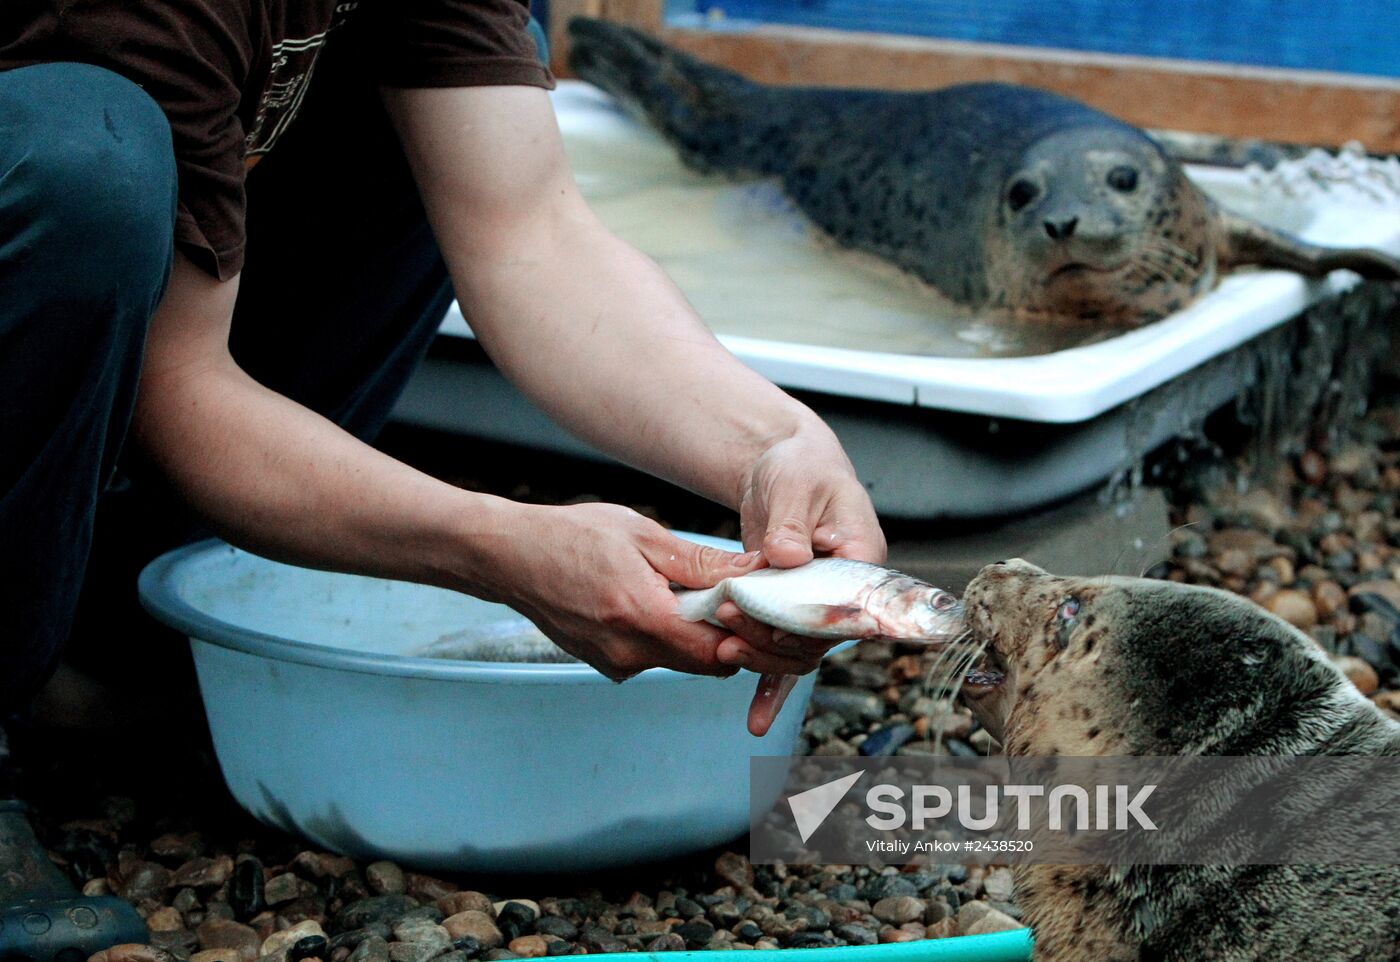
(1068, 610)
(943, 601)
(1123, 178)
(1021, 193)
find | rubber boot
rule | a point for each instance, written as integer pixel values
(43, 918)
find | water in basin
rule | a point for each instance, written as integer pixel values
(516, 641)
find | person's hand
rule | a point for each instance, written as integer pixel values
(596, 579)
(802, 498)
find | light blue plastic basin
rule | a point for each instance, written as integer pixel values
(323, 727)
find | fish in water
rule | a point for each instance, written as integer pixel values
(1012, 201)
(516, 641)
(834, 599)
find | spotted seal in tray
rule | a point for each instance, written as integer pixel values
(1009, 200)
(1130, 666)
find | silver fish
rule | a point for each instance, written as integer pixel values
(517, 641)
(836, 599)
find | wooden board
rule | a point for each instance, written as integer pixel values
(1251, 102)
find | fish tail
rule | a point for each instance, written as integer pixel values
(701, 605)
(709, 113)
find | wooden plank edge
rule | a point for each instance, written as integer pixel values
(1227, 100)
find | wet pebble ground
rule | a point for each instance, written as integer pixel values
(251, 901)
(1318, 545)
(1317, 542)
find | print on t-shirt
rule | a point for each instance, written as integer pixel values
(230, 75)
(293, 62)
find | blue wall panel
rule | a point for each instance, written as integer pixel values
(1352, 36)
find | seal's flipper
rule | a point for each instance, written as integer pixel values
(1246, 242)
(708, 112)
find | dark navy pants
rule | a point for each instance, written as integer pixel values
(340, 296)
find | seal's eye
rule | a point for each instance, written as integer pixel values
(1021, 193)
(1065, 615)
(1123, 178)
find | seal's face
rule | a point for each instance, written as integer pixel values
(1044, 645)
(1099, 226)
(1132, 666)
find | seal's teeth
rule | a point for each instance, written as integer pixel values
(986, 672)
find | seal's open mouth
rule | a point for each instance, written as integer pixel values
(986, 676)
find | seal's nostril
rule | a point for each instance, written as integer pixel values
(1063, 230)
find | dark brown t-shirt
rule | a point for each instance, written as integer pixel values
(230, 74)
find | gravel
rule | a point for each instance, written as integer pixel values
(331, 908)
(1317, 543)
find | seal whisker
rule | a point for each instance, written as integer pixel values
(942, 660)
(949, 670)
(1165, 537)
(959, 678)
(1155, 251)
(1122, 553)
(945, 658)
(1152, 242)
(1161, 262)
(1113, 571)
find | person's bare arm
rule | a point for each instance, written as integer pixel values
(599, 337)
(274, 476)
(279, 479)
(592, 330)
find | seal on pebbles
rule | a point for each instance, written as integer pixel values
(1130, 666)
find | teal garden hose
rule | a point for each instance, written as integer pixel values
(1013, 946)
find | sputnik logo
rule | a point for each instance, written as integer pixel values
(810, 808)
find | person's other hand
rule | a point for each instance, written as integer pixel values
(596, 579)
(802, 498)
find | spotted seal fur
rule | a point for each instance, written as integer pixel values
(1009, 200)
(1128, 666)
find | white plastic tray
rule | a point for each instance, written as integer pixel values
(671, 213)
